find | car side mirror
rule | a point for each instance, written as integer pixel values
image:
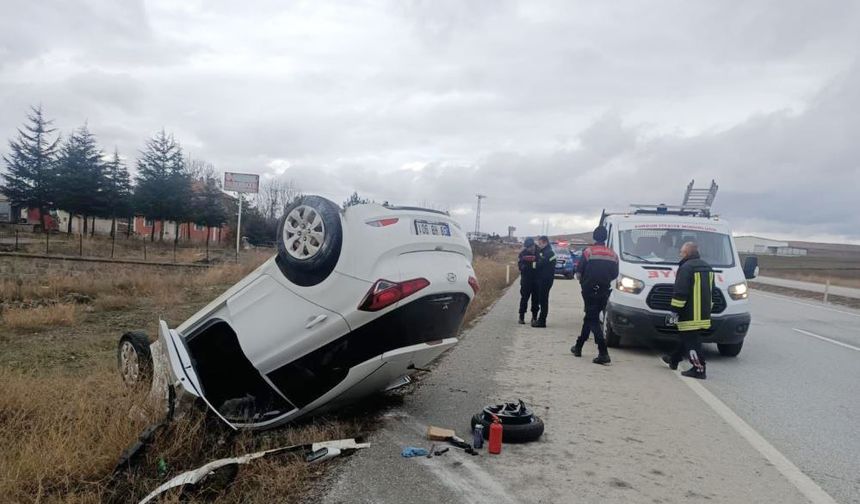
(751, 267)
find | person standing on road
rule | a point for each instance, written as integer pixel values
(691, 301)
(596, 271)
(528, 279)
(545, 276)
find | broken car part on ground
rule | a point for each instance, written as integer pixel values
(226, 469)
(354, 301)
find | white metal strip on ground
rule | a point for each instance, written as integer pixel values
(792, 473)
(825, 338)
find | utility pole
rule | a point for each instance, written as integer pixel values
(478, 215)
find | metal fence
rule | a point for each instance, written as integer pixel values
(120, 246)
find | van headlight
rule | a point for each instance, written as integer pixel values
(629, 284)
(739, 291)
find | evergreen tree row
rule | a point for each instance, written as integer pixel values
(74, 174)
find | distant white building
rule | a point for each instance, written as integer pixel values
(766, 246)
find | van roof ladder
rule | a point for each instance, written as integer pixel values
(700, 198)
(697, 203)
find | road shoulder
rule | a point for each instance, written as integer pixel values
(630, 432)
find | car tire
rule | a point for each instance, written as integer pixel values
(730, 349)
(512, 433)
(613, 340)
(134, 360)
(310, 236)
(568, 276)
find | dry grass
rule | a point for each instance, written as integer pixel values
(842, 270)
(126, 280)
(63, 428)
(490, 269)
(58, 436)
(40, 317)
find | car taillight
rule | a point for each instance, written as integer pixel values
(473, 283)
(383, 222)
(385, 293)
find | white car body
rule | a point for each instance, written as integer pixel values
(302, 349)
(642, 315)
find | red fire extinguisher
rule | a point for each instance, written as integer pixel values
(495, 446)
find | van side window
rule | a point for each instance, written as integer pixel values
(609, 240)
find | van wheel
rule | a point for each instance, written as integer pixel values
(310, 236)
(134, 359)
(613, 340)
(730, 349)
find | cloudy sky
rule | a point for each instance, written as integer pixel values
(554, 110)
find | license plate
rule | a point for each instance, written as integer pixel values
(432, 228)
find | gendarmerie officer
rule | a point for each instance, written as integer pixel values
(596, 271)
(545, 277)
(528, 279)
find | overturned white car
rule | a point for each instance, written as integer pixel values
(354, 301)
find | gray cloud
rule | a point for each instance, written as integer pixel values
(555, 109)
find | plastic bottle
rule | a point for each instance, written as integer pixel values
(478, 437)
(495, 446)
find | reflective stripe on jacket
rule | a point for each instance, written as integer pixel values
(691, 296)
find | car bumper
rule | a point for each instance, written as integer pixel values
(564, 272)
(641, 324)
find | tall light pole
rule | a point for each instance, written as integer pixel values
(478, 215)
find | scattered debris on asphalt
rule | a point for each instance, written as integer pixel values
(413, 451)
(226, 469)
(519, 423)
(439, 433)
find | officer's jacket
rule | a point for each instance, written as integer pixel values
(546, 263)
(597, 268)
(527, 263)
(691, 297)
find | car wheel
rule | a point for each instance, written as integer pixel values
(512, 433)
(134, 359)
(310, 236)
(730, 349)
(612, 338)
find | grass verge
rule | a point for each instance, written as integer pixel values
(65, 418)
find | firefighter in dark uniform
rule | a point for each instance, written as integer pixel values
(528, 279)
(597, 268)
(691, 301)
(545, 277)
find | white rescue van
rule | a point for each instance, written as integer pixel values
(647, 240)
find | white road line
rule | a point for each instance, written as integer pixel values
(825, 338)
(820, 307)
(795, 476)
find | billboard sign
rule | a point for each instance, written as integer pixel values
(241, 182)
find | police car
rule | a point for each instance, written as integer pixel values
(565, 261)
(647, 240)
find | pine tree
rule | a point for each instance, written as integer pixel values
(80, 178)
(118, 191)
(31, 165)
(159, 183)
(208, 208)
(355, 199)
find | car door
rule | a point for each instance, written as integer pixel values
(275, 326)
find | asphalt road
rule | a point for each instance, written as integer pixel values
(633, 431)
(798, 390)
